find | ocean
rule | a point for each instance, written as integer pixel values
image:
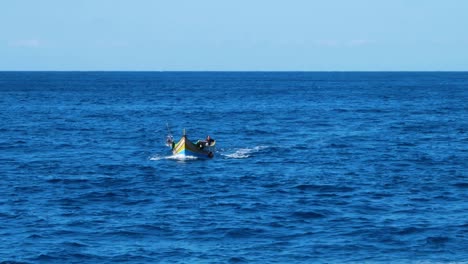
(310, 167)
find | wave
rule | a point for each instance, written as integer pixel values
(324, 188)
(244, 232)
(13, 262)
(243, 153)
(307, 215)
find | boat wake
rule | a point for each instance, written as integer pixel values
(172, 157)
(240, 153)
(244, 153)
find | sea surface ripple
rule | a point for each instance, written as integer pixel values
(310, 167)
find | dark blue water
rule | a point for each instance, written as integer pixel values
(310, 167)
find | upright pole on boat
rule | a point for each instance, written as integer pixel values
(184, 133)
(168, 129)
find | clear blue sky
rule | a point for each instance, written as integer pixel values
(308, 35)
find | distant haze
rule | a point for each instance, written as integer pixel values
(258, 35)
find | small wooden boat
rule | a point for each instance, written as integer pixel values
(200, 149)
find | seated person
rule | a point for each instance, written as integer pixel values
(205, 143)
(209, 141)
(170, 141)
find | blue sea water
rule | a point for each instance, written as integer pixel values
(335, 167)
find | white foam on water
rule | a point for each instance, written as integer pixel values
(240, 153)
(244, 153)
(182, 157)
(157, 157)
(172, 157)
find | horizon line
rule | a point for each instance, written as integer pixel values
(247, 71)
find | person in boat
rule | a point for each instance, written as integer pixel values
(170, 142)
(205, 143)
(209, 141)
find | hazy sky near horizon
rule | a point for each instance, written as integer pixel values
(303, 35)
